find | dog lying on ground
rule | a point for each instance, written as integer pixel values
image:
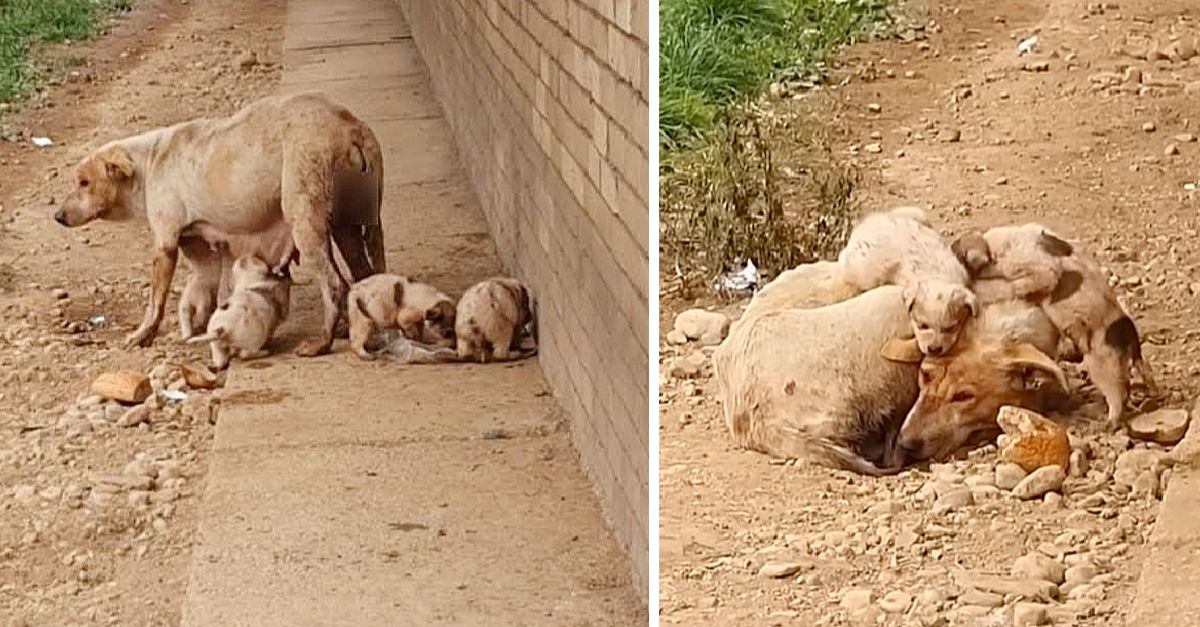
(390, 301)
(1005, 356)
(257, 305)
(491, 320)
(898, 247)
(284, 172)
(806, 286)
(1072, 290)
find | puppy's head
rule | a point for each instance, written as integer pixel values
(520, 296)
(439, 324)
(972, 251)
(101, 182)
(938, 310)
(961, 395)
(249, 269)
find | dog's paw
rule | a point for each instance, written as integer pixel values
(142, 337)
(312, 348)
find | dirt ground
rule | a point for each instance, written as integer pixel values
(960, 123)
(76, 547)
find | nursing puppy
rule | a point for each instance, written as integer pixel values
(1080, 304)
(257, 305)
(491, 320)
(898, 247)
(390, 301)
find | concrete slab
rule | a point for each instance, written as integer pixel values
(345, 492)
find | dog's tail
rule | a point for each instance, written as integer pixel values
(212, 335)
(916, 214)
(370, 161)
(1123, 336)
(792, 442)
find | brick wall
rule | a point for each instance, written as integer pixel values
(548, 102)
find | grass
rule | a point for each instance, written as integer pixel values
(26, 23)
(713, 53)
(740, 180)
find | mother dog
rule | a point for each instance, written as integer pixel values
(276, 178)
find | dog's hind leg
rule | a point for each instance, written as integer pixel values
(350, 244)
(373, 234)
(307, 206)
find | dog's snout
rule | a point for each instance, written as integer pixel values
(914, 447)
(936, 349)
(60, 217)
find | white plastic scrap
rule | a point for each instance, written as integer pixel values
(744, 280)
(42, 142)
(174, 395)
(406, 351)
(1027, 45)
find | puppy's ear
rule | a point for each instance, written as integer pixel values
(969, 301)
(1055, 246)
(910, 296)
(902, 350)
(972, 251)
(441, 313)
(1034, 368)
(118, 164)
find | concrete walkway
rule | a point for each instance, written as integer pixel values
(350, 493)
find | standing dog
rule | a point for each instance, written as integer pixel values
(491, 320)
(1071, 288)
(257, 305)
(284, 171)
(389, 301)
(898, 247)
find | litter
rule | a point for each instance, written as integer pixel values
(743, 281)
(42, 142)
(392, 343)
(174, 395)
(1027, 46)
(1191, 187)
(97, 320)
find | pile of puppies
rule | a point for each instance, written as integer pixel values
(285, 178)
(907, 346)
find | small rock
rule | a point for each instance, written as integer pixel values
(675, 337)
(246, 60)
(1037, 66)
(1030, 614)
(952, 500)
(874, 107)
(1134, 462)
(949, 135)
(139, 468)
(134, 416)
(138, 498)
(60, 294)
(1165, 426)
(1038, 566)
(1079, 464)
(1033, 440)
(688, 367)
(1149, 127)
(1185, 138)
(982, 599)
(873, 148)
(1043, 480)
(706, 327)
(1008, 475)
(779, 570)
(1081, 573)
(24, 493)
(1171, 150)
(896, 602)
(856, 598)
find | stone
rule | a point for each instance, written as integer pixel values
(1165, 426)
(982, 599)
(1081, 573)
(949, 135)
(134, 416)
(779, 570)
(896, 602)
(1038, 566)
(140, 468)
(1170, 150)
(1008, 475)
(1079, 464)
(246, 60)
(1186, 138)
(1149, 127)
(675, 337)
(952, 500)
(688, 367)
(1030, 615)
(706, 327)
(1033, 440)
(126, 386)
(874, 107)
(1043, 480)
(24, 493)
(1132, 463)
(853, 599)
(1029, 588)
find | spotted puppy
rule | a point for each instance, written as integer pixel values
(1032, 262)
(491, 322)
(257, 305)
(898, 247)
(390, 301)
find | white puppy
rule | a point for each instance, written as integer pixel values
(420, 311)
(257, 305)
(491, 319)
(898, 247)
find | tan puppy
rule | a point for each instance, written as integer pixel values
(1080, 304)
(283, 171)
(898, 247)
(257, 305)
(1028, 257)
(491, 320)
(390, 301)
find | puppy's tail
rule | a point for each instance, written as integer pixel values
(1123, 336)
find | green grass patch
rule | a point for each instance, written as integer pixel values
(26, 23)
(713, 53)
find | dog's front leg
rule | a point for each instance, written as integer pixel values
(160, 283)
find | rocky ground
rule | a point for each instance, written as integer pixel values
(1091, 132)
(98, 498)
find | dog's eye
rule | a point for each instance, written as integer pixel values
(84, 182)
(962, 397)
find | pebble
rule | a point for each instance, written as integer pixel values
(1038, 566)
(246, 60)
(874, 107)
(60, 294)
(1171, 150)
(134, 416)
(139, 468)
(1030, 615)
(1043, 480)
(24, 493)
(1186, 138)
(1165, 426)
(983, 599)
(873, 148)
(779, 570)
(896, 602)
(952, 500)
(675, 337)
(853, 599)
(1081, 573)
(688, 367)
(1079, 464)
(949, 135)
(1008, 475)
(1149, 127)
(1133, 463)
(706, 327)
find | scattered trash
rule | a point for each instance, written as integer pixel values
(174, 395)
(744, 281)
(42, 142)
(97, 321)
(1027, 46)
(392, 343)
(1191, 187)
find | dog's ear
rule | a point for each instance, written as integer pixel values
(910, 296)
(441, 313)
(969, 301)
(1054, 245)
(902, 350)
(1033, 368)
(972, 251)
(118, 164)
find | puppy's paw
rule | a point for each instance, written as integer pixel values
(312, 348)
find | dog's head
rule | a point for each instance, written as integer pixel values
(938, 310)
(960, 394)
(439, 324)
(972, 251)
(102, 181)
(520, 296)
(249, 269)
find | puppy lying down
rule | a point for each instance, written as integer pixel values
(243, 324)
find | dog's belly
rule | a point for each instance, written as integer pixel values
(272, 244)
